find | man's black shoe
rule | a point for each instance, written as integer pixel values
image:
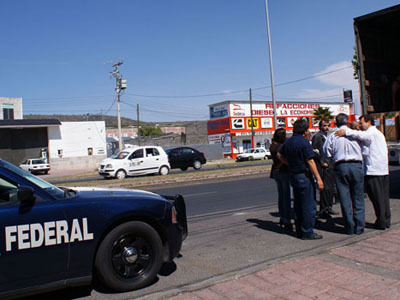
(359, 232)
(332, 212)
(378, 227)
(314, 236)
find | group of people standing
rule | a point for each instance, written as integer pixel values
(332, 162)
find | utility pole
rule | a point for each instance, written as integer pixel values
(271, 68)
(120, 85)
(138, 125)
(251, 117)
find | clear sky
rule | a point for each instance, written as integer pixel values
(179, 55)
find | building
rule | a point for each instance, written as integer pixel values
(11, 108)
(174, 130)
(230, 122)
(77, 145)
(126, 132)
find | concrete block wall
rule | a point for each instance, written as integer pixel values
(89, 163)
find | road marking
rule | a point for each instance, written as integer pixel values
(240, 214)
(206, 193)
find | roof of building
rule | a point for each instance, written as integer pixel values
(303, 101)
(29, 123)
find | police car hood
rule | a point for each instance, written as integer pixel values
(98, 192)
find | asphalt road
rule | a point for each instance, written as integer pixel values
(232, 226)
(208, 167)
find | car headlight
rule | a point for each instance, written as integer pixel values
(108, 166)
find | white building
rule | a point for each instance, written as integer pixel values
(11, 108)
(77, 145)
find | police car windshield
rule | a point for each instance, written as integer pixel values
(51, 189)
(120, 155)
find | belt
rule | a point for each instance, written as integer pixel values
(347, 162)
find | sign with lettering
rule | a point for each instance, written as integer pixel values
(252, 123)
(238, 123)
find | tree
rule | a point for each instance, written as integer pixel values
(145, 130)
(321, 113)
(356, 66)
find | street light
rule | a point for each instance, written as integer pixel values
(271, 68)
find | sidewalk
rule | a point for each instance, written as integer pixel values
(366, 269)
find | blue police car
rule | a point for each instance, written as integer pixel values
(53, 237)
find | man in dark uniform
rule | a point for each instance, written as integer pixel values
(298, 154)
(325, 169)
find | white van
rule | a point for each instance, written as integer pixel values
(136, 161)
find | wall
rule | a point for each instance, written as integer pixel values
(89, 163)
(17, 105)
(113, 132)
(174, 130)
(73, 139)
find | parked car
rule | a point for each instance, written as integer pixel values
(253, 154)
(136, 161)
(55, 237)
(185, 157)
(35, 166)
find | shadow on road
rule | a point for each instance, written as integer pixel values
(334, 225)
(64, 294)
(85, 291)
(270, 226)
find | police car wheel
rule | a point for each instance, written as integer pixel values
(197, 165)
(121, 174)
(164, 170)
(129, 257)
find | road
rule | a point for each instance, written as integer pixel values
(232, 226)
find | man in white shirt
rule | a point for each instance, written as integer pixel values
(345, 153)
(376, 161)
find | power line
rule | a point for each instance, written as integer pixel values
(243, 91)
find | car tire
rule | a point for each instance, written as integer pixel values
(197, 165)
(129, 257)
(46, 172)
(251, 158)
(184, 168)
(120, 174)
(164, 170)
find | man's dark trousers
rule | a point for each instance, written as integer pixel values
(326, 195)
(349, 181)
(304, 203)
(326, 173)
(378, 192)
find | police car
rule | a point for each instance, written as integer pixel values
(53, 237)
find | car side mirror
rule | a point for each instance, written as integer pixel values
(25, 195)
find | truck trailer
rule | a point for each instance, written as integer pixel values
(377, 39)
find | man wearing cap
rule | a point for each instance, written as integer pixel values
(345, 153)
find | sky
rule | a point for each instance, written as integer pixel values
(178, 56)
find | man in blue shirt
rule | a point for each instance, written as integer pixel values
(298, 154)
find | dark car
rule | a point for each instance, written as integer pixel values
(53, 237)
(185, 157)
